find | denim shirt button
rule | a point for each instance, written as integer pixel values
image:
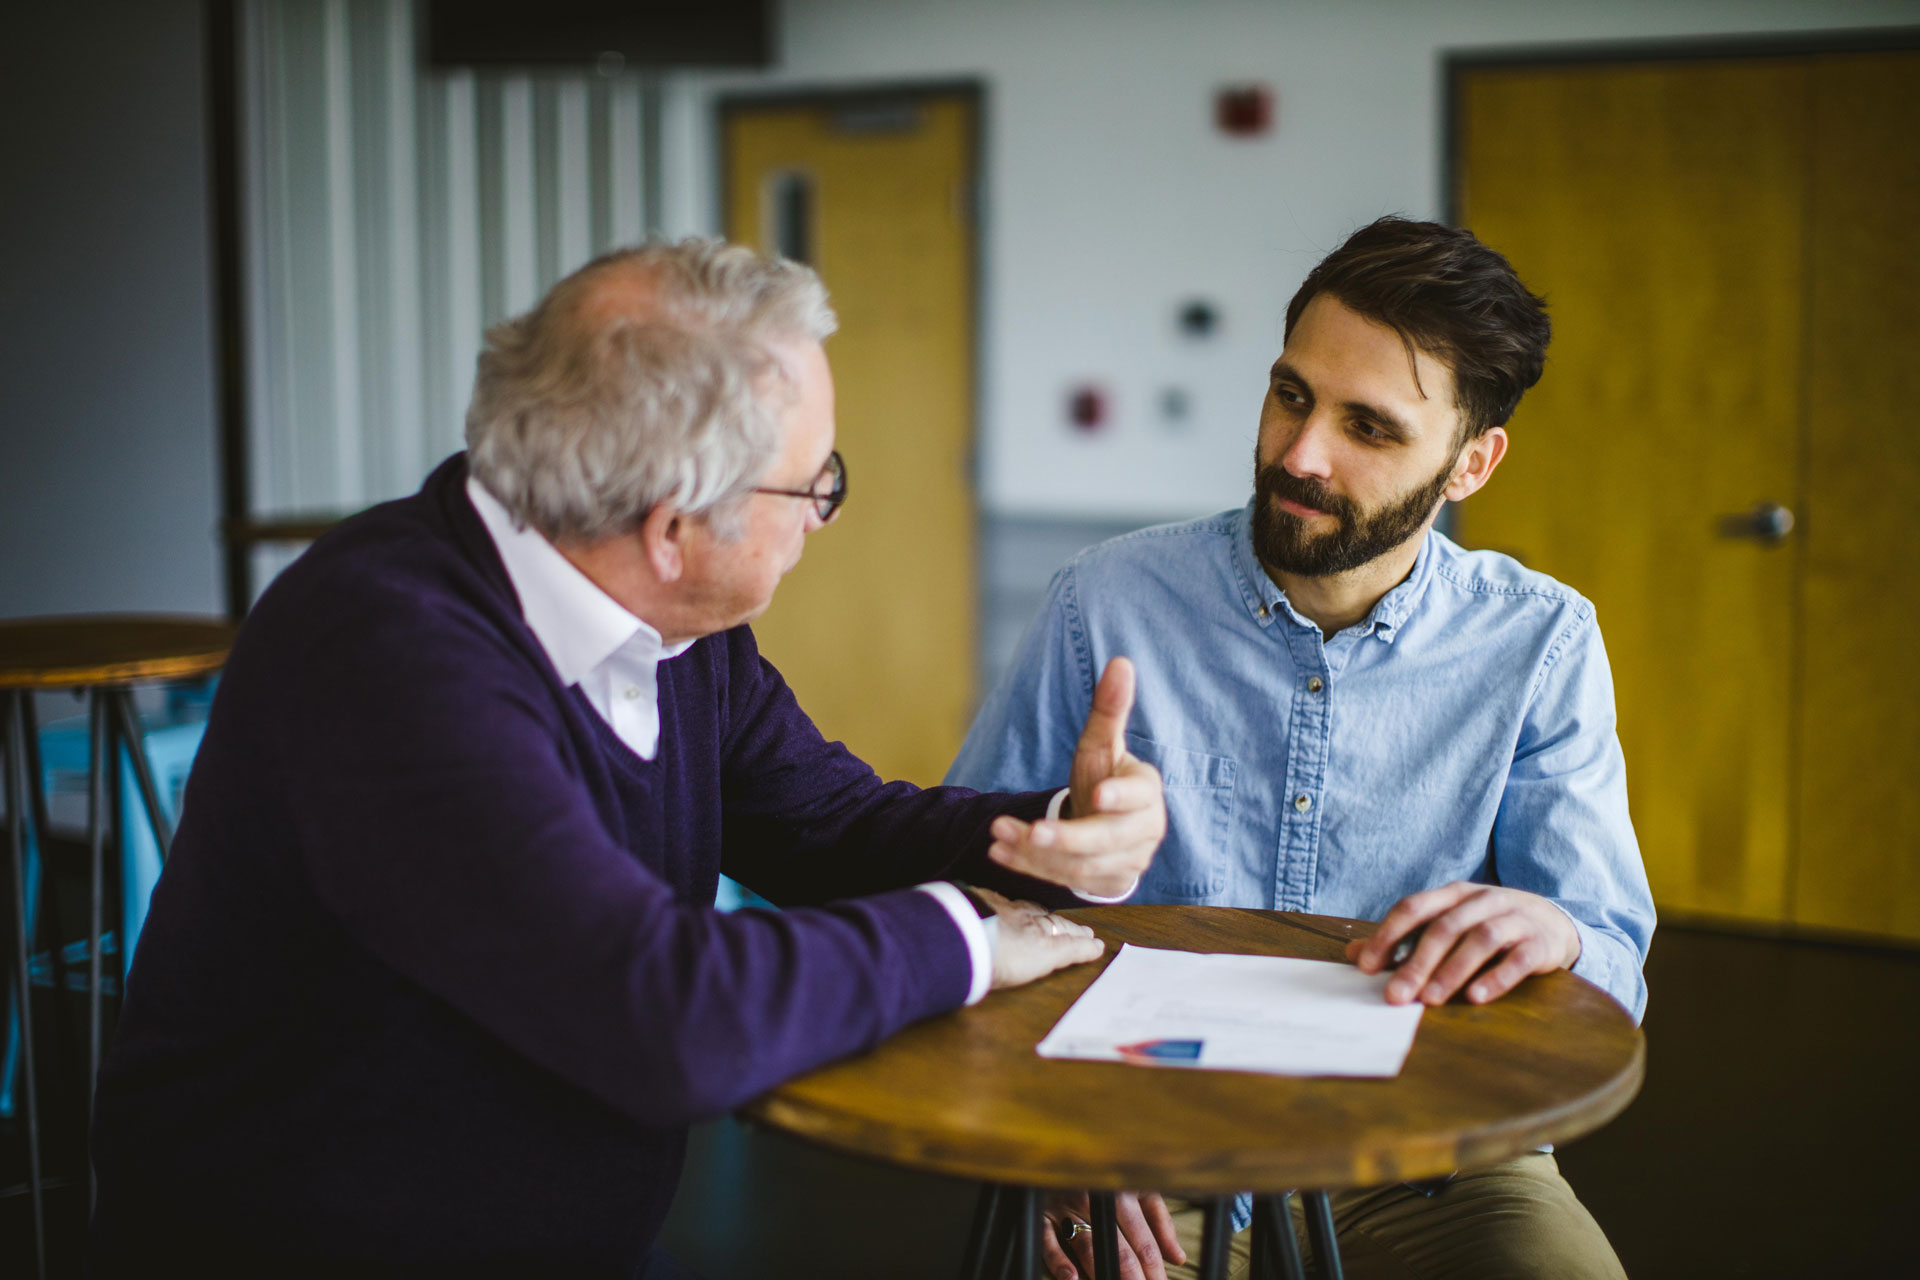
(1303, 802)
(1315, 684)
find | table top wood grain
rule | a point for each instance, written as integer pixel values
(966, 1095)
(109, 649)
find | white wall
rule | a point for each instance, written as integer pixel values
(108, 447)
(1111, 199)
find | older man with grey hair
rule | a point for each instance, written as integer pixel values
(433, 979)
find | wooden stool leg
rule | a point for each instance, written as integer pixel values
(1216, 1238)
(1106, 1237)
(1326, 1247)
(1276, 1252)
(17, 790)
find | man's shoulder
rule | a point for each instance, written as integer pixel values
(396, 575)
(390, 552)
(1159, 551)
(1496, 580)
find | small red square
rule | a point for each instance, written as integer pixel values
(1244, 110)
(1087, 408)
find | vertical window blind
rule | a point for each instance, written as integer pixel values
(392, 212)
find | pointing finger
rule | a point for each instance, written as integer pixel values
(1105, 734)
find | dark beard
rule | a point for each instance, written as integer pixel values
(1281, 539)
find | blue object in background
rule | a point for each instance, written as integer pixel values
(170, 751)
(171, 738)
(732, 895)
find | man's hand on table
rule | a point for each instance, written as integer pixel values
(1116, 813)
(1469, 927)
(1033, 942)
(1146, 1236)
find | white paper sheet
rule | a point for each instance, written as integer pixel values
(1237, 1013)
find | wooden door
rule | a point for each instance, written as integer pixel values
(1707, 237)
(1859, 793)
(876, 628)
(1659, 209)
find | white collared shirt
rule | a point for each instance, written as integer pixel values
(591, 640)
(615, 657)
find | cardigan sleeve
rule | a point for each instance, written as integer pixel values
(807, 821)
(435, 803)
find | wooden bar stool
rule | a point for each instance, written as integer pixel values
(104, 656)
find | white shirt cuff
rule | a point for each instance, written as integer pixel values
(979, 934)
(1053, 815)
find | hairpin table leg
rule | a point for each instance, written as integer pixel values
(1326, 1247)
(1276, 1251)
(1216, 1238)
(1106, 1235)
(17, 790)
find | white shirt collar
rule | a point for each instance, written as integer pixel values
(579, 625)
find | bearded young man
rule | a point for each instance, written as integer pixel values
(1356, 716)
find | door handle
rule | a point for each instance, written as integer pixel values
(1768, 523)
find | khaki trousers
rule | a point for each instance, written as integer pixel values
(1518, 1219)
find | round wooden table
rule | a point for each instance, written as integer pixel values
(966, 1095)
(110, 649)
(105, 655)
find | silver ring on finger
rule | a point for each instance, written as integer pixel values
(1053, 926)
(1076, 1229)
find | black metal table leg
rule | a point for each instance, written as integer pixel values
(1326, 1246)
(1026, 1263)
(18, 788)
(1005, 1237)
(1276, 1251)
(120, 701)
(1106, 1236)
(1216, 1238)
(49, 885)
(102, 756)
(986, 1256)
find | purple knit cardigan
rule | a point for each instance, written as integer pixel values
(433, 980)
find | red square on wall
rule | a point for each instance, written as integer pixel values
(1243, 110)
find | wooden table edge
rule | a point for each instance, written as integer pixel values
(67, 676)
(852, 1134)
(164, 646)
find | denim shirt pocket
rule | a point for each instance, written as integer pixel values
(1192, 865)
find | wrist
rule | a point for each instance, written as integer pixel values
(1571, 945)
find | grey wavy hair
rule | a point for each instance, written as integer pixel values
(584, 418)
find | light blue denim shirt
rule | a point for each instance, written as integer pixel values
(1463, 731)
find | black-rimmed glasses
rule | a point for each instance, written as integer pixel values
(825, 502)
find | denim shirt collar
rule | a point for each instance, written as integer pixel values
(1265, 601)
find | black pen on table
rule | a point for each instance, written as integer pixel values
(1403, 949)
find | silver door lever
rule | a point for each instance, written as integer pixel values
(1768, 523)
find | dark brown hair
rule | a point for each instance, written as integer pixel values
(1449, 295)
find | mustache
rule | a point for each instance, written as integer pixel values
(1274, 481)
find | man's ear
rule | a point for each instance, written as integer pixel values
(663, 536)
(1476, 463)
